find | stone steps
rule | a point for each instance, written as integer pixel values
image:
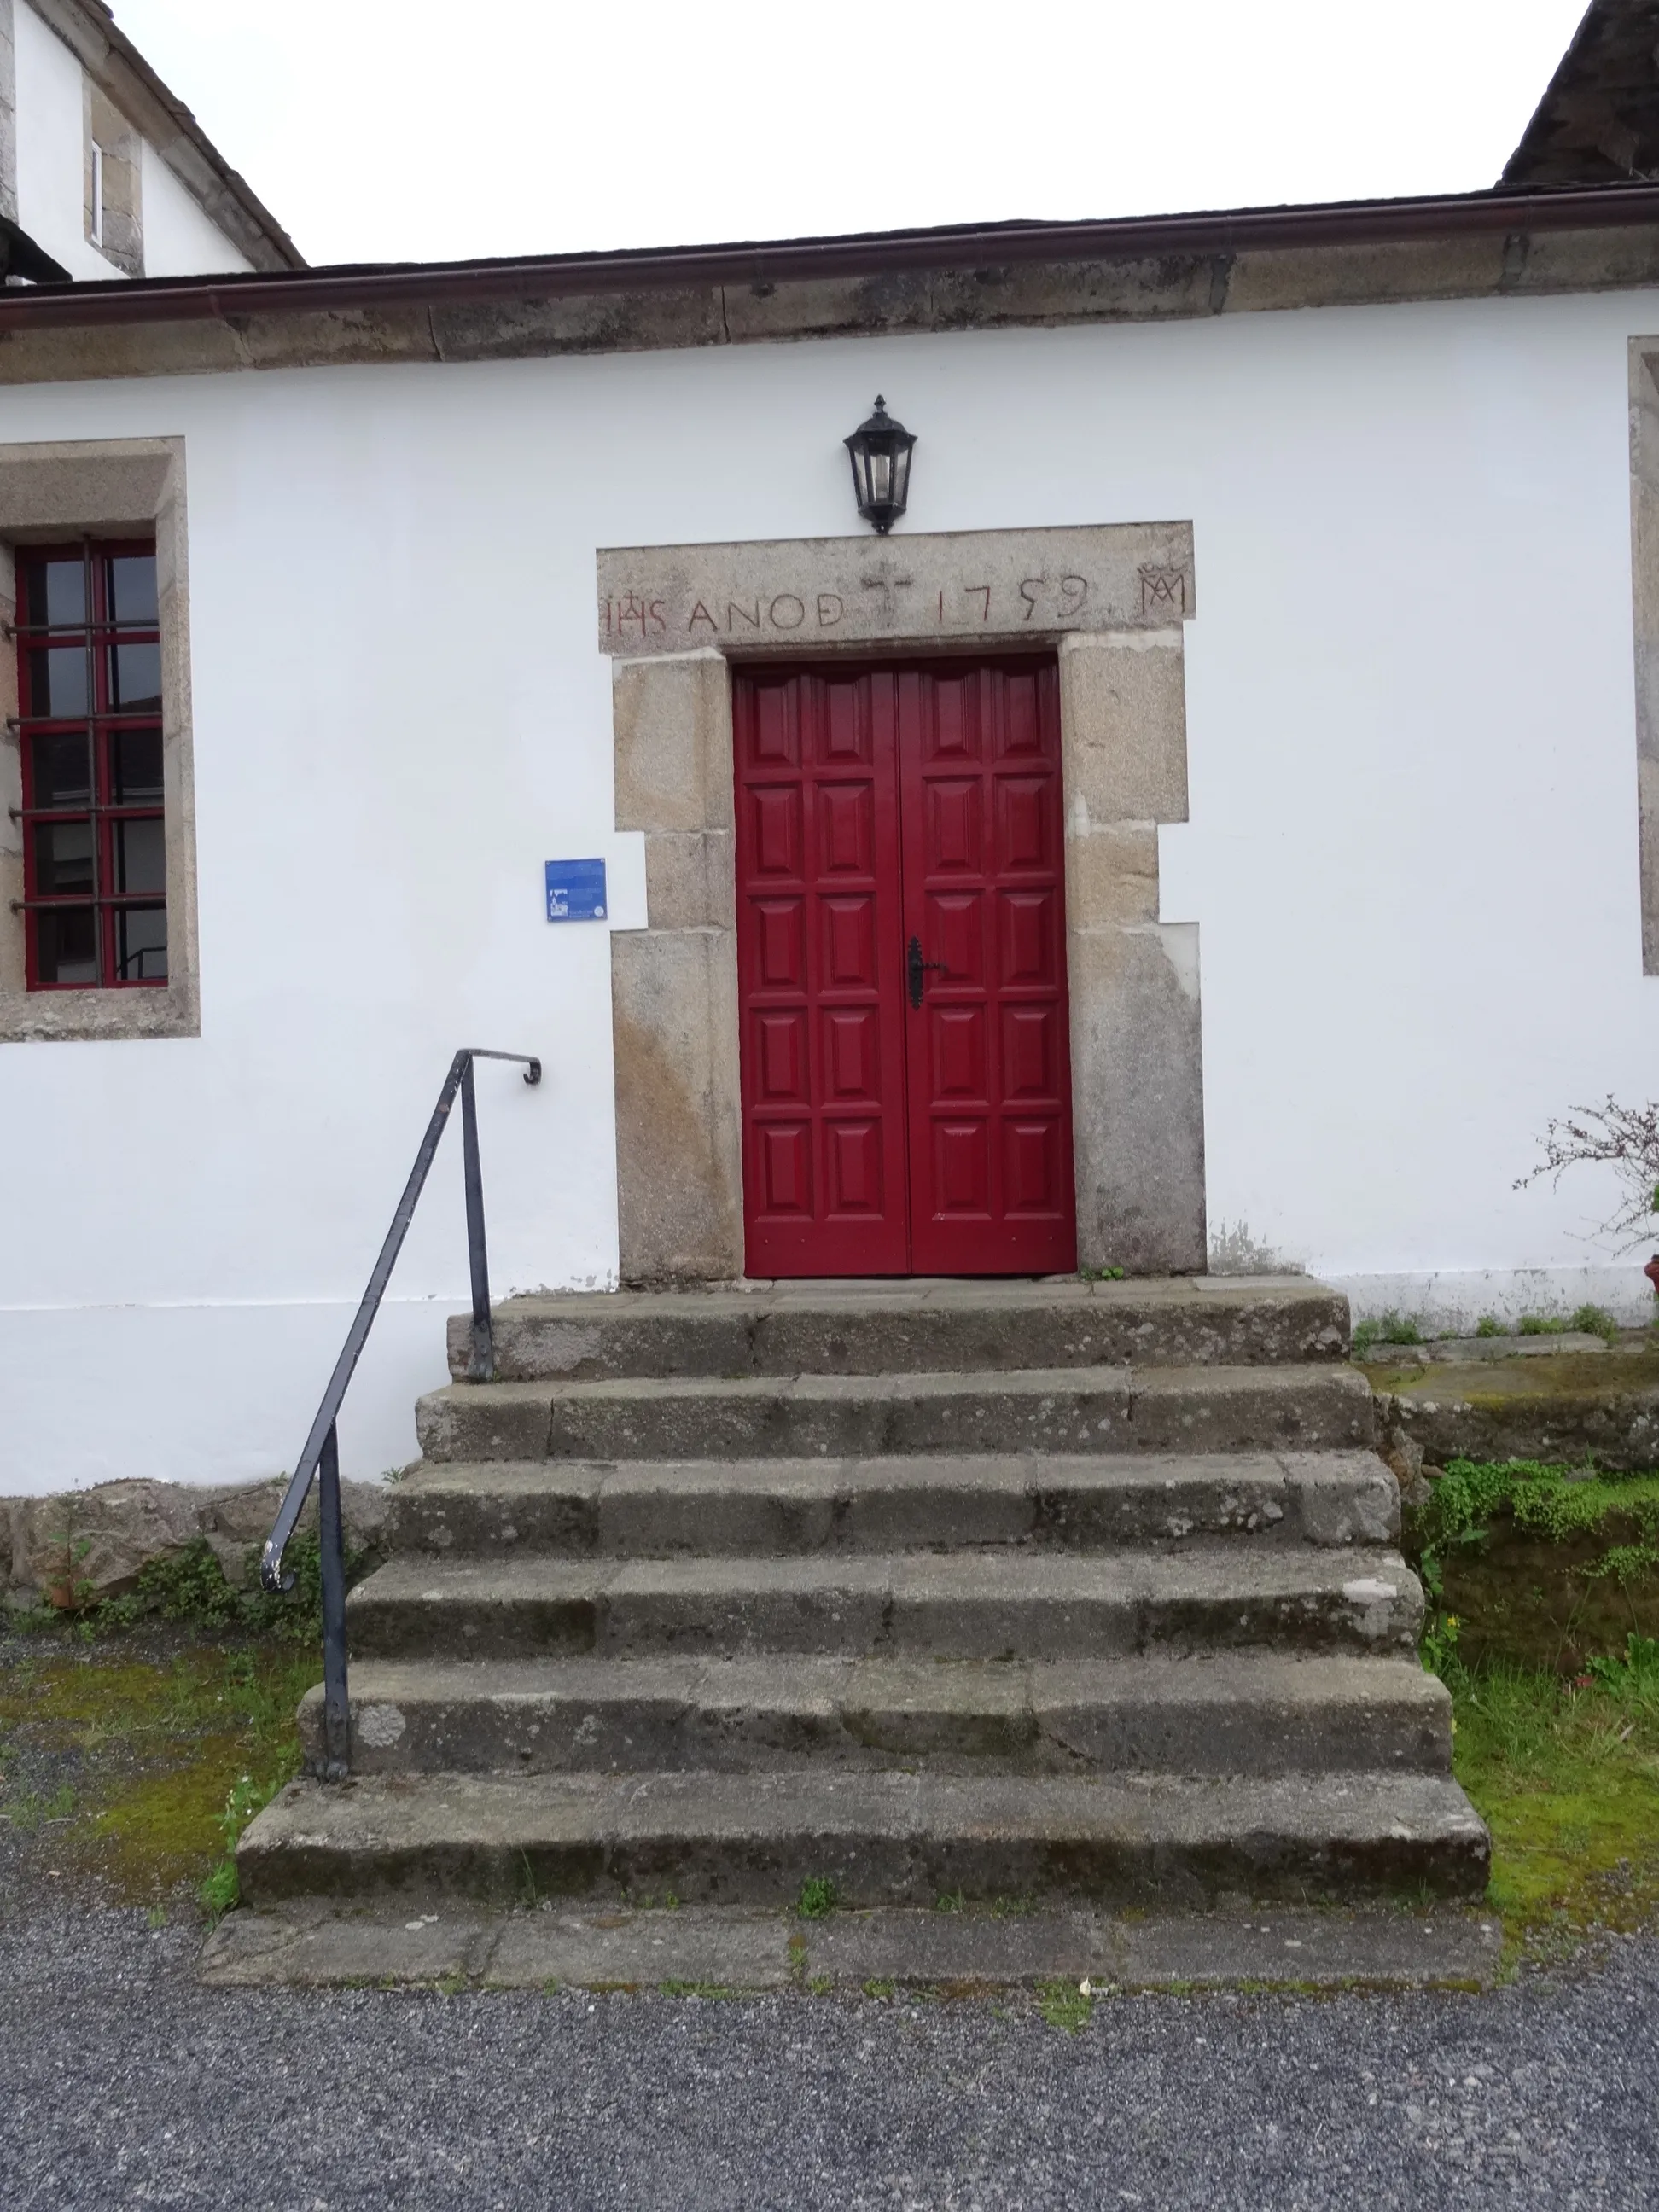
(1049, 1591)
(1254, 1713)
(1067, 1410)
(959, 1605)
(881, 1838)
(915, 1327)
(656, 1507)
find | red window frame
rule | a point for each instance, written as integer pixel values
(99, 632)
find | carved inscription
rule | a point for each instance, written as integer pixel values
(1037, 601)
(823, 592)
(1164, 591)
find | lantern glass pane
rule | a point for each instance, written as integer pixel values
(901, 477)
(881, 476)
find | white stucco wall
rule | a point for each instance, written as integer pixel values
(52, 148)
(1411, 857)
(179, 239)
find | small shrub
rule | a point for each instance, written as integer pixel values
(1400, 1329)
(221, 1892)
(818, 1897)
(1541, 1325)
(188, 1589)
(1594, 1320)
(1489, 1325)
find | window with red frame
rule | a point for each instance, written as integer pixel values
(89, 690)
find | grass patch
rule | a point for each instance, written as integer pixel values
(818, 1897)
(163, 1758)
(1565, 1773)
(1069, 2005)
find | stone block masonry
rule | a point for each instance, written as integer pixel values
(1110, 601)
(93, 1544)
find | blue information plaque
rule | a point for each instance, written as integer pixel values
(575, 891)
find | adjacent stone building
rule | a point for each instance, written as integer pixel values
(1205, 832)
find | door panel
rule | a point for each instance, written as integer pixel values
(819, 976)
(874, 807)
(988, 1062)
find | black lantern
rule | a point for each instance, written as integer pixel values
(881, 467)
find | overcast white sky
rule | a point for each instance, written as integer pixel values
(376, 130)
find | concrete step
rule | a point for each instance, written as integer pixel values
(880, 1838)
(686, 1950)
(915, 1327)
(1252, 1712)
(645, 1507)
(1055, 1409)
(963, 1605)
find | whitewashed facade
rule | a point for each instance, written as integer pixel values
(1411, 858)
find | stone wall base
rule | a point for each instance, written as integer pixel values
(98, 1541)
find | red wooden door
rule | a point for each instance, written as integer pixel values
(901, 1118)
(819, 975)
(988, 1053)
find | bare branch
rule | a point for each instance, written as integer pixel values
(1624, 1138)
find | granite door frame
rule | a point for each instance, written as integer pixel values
(1109, 601)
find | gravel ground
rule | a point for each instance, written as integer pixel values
(123, 2083)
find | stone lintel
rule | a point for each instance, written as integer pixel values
(987, 588)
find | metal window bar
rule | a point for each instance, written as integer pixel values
(99, 630)
(320, 1457)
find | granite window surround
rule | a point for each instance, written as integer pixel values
(114, 488)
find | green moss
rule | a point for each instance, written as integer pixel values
(1542, 1566)
(170, 1754)
(818, 1897)
(1555, 1502)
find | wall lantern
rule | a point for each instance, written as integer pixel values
(881, 467)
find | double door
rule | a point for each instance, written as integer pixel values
(901, 970)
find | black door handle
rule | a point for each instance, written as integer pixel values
(916, 967)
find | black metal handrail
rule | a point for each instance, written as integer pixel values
(321, 1456)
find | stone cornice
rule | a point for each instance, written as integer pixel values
(1485, 244)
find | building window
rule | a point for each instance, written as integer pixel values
(89, 726)
(95, 224)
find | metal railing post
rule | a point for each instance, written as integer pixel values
(319, 1461)
(481, 1367)
(337, 1711)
